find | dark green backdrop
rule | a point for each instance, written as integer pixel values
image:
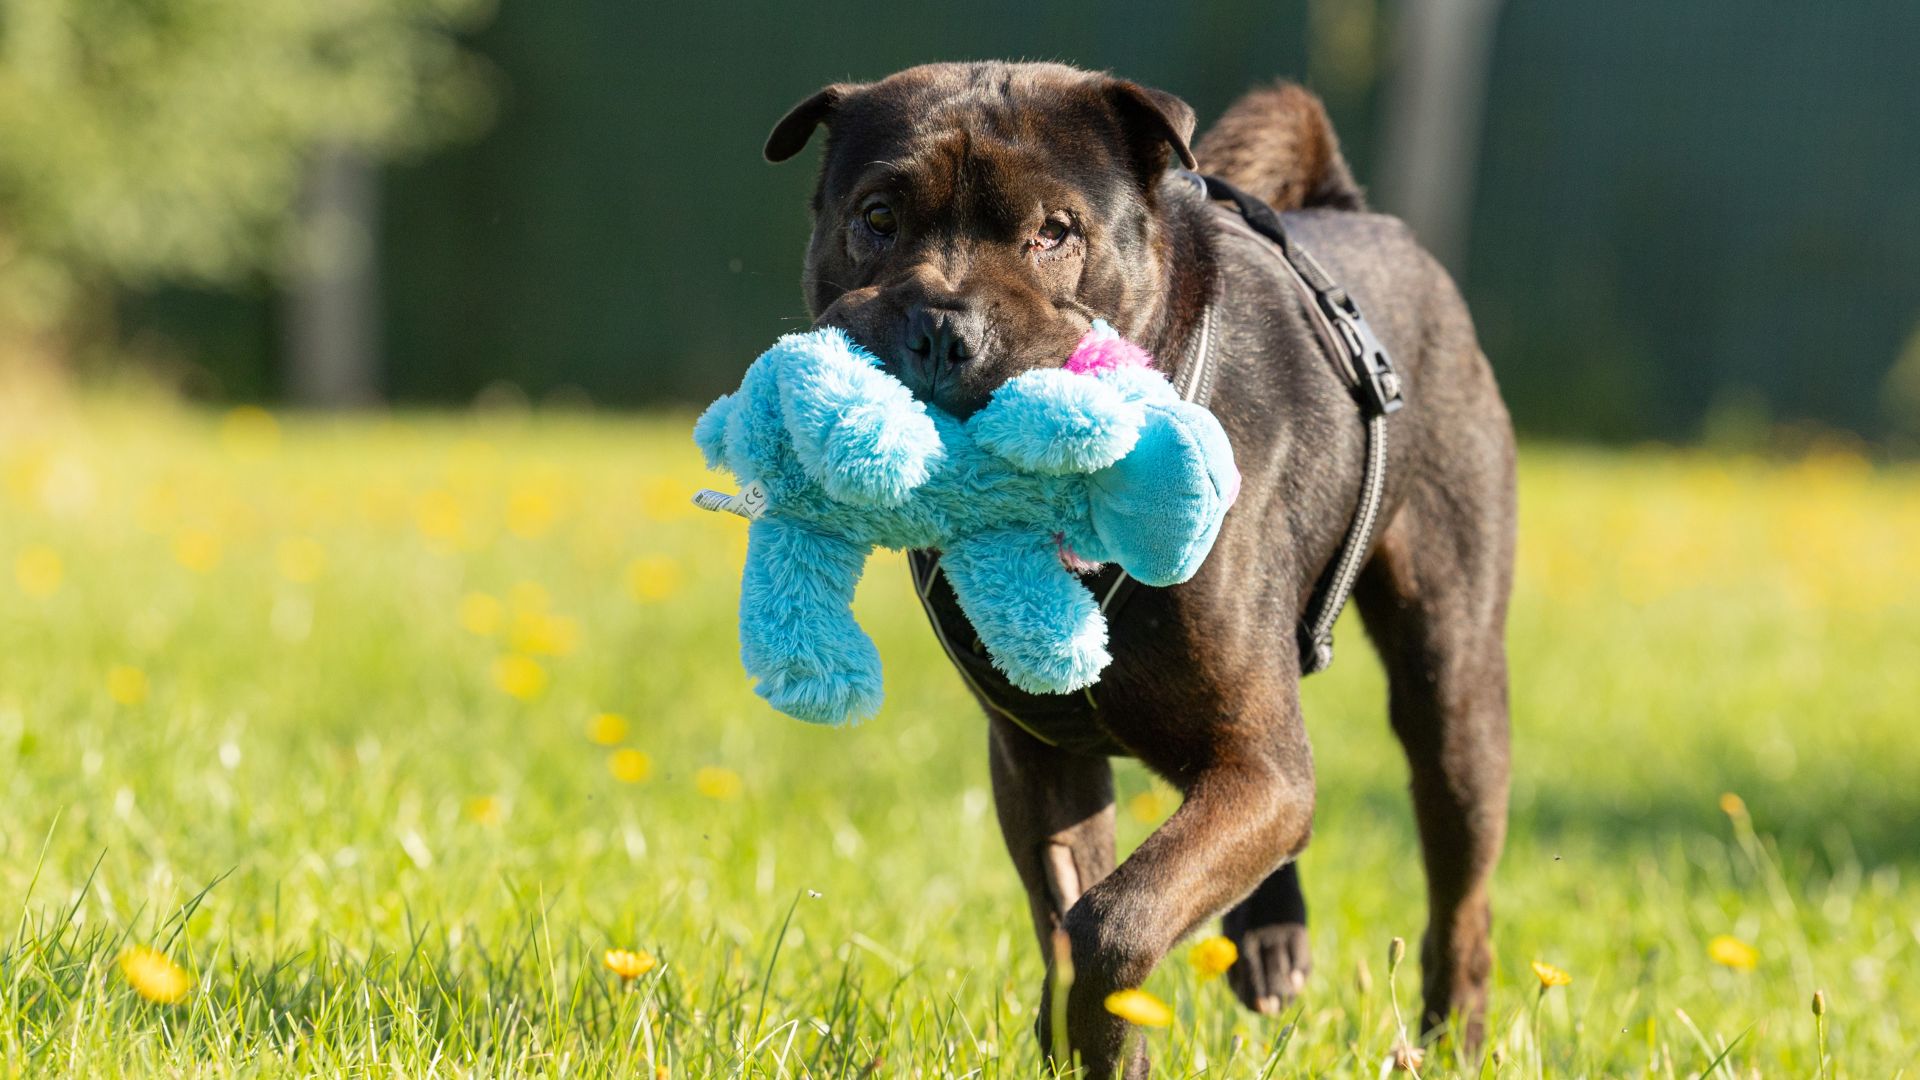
(619, 230)
(1682, 210)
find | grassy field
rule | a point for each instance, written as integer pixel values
(384, 731)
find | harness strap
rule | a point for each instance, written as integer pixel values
(1363, 364)
(1194, 381)
(1369, 370)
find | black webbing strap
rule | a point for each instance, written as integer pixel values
(1370, 371)
(1363, 364)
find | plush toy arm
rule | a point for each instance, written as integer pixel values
(710, 431)
(1057, 422)
(1159, 509)
(797, 634)
(1039, 623)
(857, 430)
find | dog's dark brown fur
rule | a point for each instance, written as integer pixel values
(976, 167)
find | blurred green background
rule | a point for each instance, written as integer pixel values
(1673, 221)
(384, 725)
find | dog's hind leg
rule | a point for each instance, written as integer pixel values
(1056, 813)
(1434, 598)
(1270, 929)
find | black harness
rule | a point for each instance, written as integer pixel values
(1362, 364)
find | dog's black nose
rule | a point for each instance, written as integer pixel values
(944, 335)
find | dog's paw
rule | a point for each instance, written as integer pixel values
(1272, 968)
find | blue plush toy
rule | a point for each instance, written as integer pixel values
(1098, 461)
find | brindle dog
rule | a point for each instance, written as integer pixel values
(970, 221)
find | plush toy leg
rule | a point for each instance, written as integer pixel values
(797, 634)
(1039, 623)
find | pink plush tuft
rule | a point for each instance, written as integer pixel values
(1099, 352)
(1070, 558)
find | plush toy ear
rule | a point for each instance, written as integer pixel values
(857, 430)
(1057, 423)
(1159, 509)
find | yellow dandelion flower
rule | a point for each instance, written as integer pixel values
(1149, 806)
(1211, 957)
(486, 810)
(1733, 806)
(629, 766)
(660, 1072)
(520, 676)
(155, 977)
(196, 549)
(1549, 975)
(249, 432)
(127, 685)
(545, 635)
(39, 571)
(607, 728)
(438, 516)
(652, 577)
(717, 782)
(1139, 1007)
(629, 963)
(1729, 951)
(480, 614)
(301, 559)
(25, 474)
(531, 512)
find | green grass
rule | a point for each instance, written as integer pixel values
(376, 862)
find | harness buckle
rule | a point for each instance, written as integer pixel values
(1316, 651)
(1375, 379)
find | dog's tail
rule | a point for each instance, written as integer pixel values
(1277, 143)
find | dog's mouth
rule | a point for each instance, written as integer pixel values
(959, 390)
(937, 384)
(959, 382)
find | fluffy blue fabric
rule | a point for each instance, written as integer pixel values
(836, 457)
(1057, 422)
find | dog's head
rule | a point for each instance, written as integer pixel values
(973, 219)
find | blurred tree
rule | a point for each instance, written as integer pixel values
(150, 141)
(1433, 119)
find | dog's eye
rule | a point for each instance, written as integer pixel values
(1051, 232)
(879, 218)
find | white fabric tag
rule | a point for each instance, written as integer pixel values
(749, 504)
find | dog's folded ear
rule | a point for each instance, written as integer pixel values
(790, 135)
(1156, 123)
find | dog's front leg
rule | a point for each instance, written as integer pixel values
(1056, 813)
(1248, 781)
